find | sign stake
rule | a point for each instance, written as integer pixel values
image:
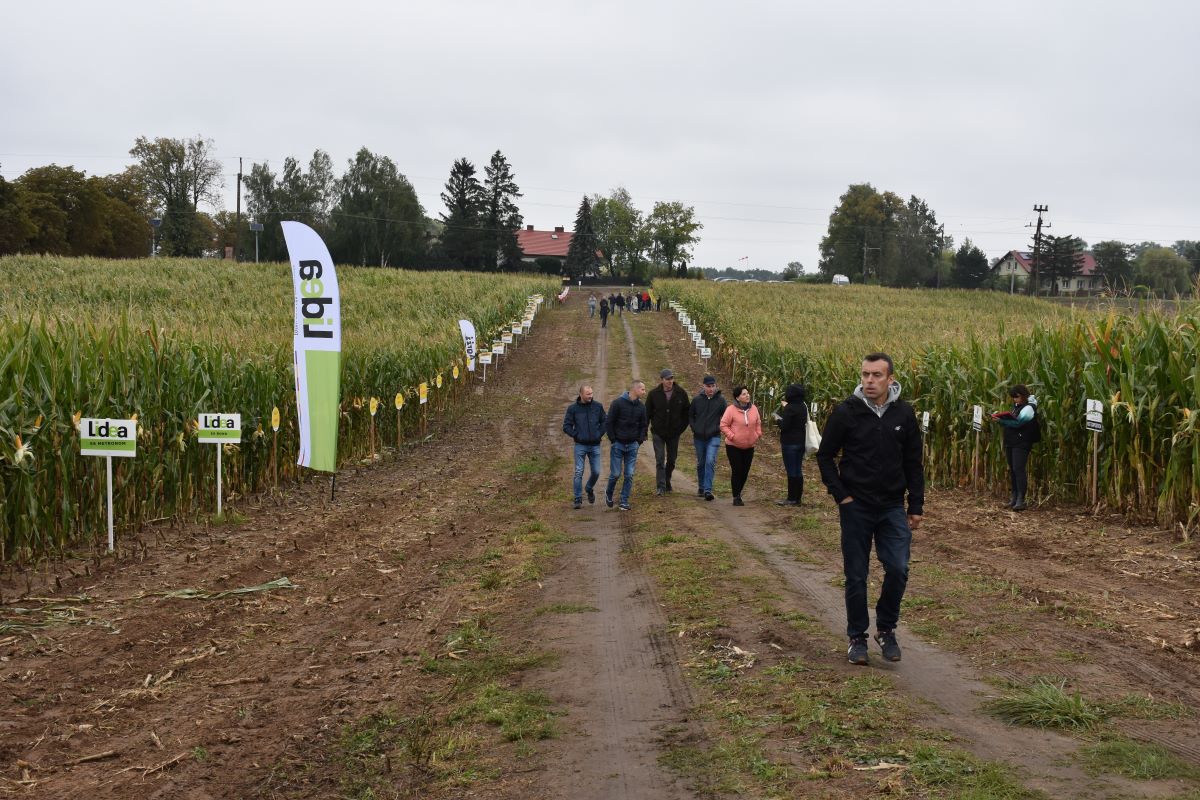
(108, 469)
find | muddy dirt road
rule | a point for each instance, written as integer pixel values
(449, 627)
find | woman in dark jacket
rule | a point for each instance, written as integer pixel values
(1022, 430)
(793, 418)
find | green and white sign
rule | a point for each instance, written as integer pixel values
(317, 339)
(220, 428)
(108, 437)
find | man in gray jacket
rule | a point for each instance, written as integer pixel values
(704, 417)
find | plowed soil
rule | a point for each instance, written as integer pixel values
(363, 674)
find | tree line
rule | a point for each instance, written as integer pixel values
(877, 237)
(368, 215)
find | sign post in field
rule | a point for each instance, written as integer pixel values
(220, 429)
(977, 426)
(1095, 424)
(108, 438)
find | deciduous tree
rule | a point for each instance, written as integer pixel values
(621, 235)
(378, 219)
(1114, 264)
(673, 227)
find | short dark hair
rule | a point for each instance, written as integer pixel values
(881, 357)
(737, 390)
(1018, 390)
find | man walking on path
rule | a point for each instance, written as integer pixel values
(704, 415)
(667, 408)
(626, 427)
(592, 305)
(584, 422)
(879, 440)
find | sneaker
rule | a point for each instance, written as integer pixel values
(699, 493)
(591, 496)
(623, 507)
(787, 502)
(737, 501)
(608, 501)
(709, 496)
(887, 641)
(660, 491)
(857, 653)
(578, 504)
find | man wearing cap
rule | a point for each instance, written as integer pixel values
(667, 407)
(704, 416)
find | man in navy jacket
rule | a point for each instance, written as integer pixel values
(585, 423)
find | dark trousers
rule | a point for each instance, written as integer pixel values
(1018, 459)
(739, 467)
(665, 452)
(604, 320)
(887, 528)
(793, 463)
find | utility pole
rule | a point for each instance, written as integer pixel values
(865, 249)
(237, 223)
(1033, 287)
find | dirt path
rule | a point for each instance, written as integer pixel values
(450, 610)
(950, 684)
(618, 678)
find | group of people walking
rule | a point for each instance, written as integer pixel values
(869, 457)
(616, 303)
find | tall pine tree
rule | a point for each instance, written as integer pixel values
(502, 218)
(581, 254)
(462, 238)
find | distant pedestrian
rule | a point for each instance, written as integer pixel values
(645, 300)
(704, 415)
(603, 312)
(626, 426)
(793, 420)
(1022, 430)
(667, 408)
(584, 422)
(877, 437)
(620, 301)
(592, 305)
(742, 426)
(658, 303)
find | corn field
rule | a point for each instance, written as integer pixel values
(954, 350)
(169, 339)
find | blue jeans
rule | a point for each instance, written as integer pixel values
(622, 458)
(586, 452)
(793, 460)
(888, 528)
(706, 461)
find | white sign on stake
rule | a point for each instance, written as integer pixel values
(925, 422)
(220, 429)
(485, 358)
(1095, 415)
(108, 438)
(706, 352)
(506, 338)
(977, 418)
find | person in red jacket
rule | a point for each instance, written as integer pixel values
(742, 426)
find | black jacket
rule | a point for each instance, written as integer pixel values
(881, 456)
(1023, 436)
(793, 417)
(668, 419)
(705, 414)
(584, 422)
(626, 420)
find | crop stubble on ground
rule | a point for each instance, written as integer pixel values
(251, 696)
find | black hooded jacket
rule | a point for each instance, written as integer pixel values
(584, 422)
(793, 417)
(880, 456)
(704, 414)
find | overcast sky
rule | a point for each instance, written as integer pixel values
(758, 114)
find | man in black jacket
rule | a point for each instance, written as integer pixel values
(880, 444)
(626, 426)
(584, 422)
(667, 408)
(704, 415)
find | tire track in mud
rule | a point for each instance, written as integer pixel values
(941, 679)
(618, 676)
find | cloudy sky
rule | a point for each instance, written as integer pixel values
(758, 114)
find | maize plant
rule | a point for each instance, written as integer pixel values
(954, 350)
(169, 339)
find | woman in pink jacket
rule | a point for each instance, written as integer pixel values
(742, 427)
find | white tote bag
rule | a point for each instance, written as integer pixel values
(812, 436)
